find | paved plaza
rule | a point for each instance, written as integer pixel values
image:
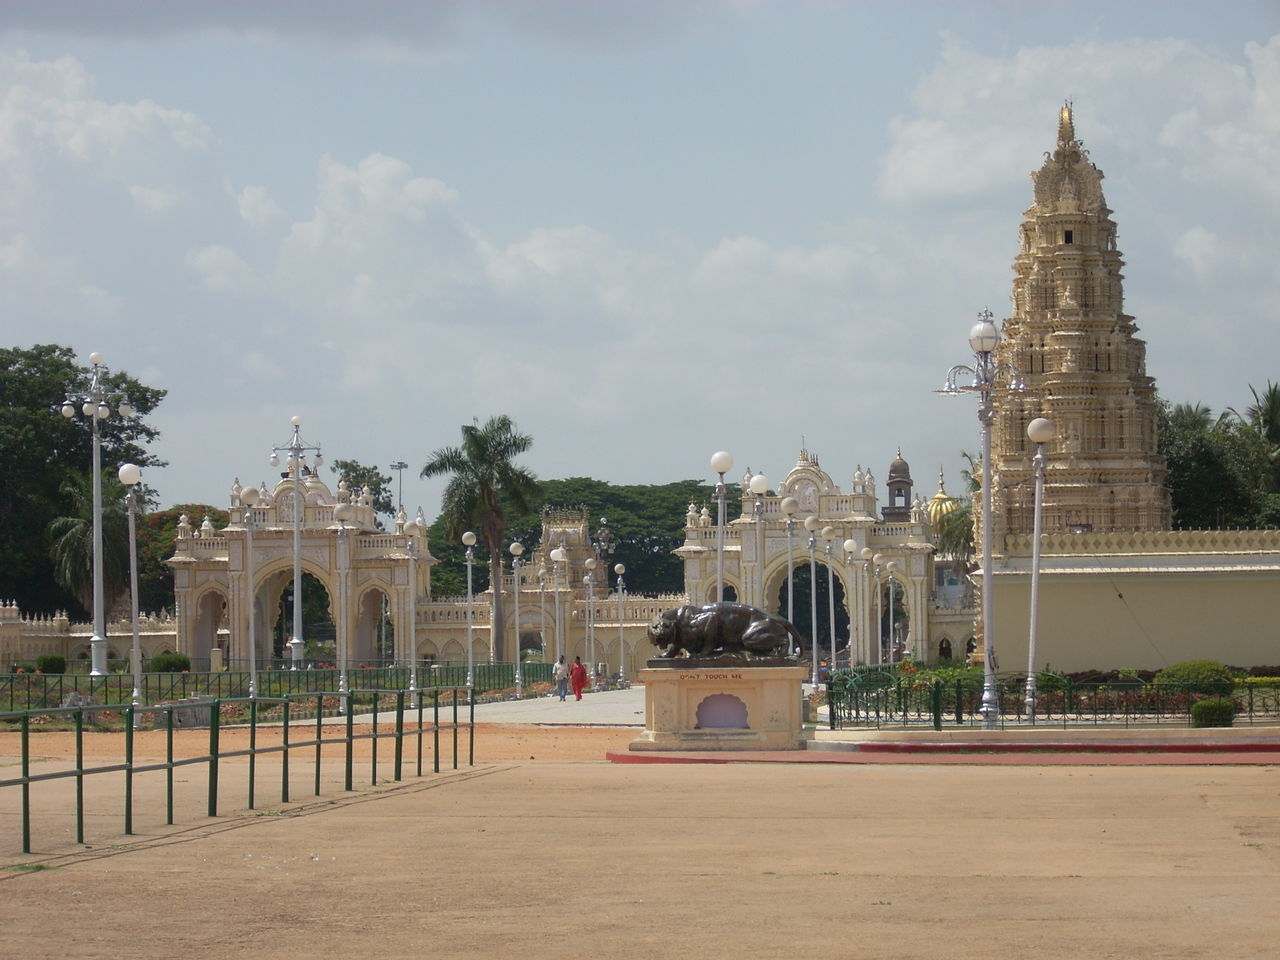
(554, 857)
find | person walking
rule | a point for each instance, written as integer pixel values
(577, 677)
(560, 675)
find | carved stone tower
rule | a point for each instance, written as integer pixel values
(1083, 367)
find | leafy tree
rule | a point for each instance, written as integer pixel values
(1220, 474)
(358, 476)
(157, 531)
(1263, 415)
(482, 473)
(44, 452)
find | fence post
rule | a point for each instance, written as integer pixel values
(215, 715)
(936, 697)
(399, 732)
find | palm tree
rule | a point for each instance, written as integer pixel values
(71, 541)
(1263, 415)
(483, 475)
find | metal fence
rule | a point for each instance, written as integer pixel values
(29, 691)
(879, 698)
(416, 717)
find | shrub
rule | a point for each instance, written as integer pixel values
(25, 668)
(51, 663)
(1214, 712)
(170, 663)
(1209, 677)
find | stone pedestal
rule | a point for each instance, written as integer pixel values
(721, 708)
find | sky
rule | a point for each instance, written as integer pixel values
(647, 231)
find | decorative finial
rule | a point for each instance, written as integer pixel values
(1066, 127)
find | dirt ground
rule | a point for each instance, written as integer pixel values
(542, 849)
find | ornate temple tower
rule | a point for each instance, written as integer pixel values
(1083, 367)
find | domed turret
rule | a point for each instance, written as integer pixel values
(898, 509)
(941, 503)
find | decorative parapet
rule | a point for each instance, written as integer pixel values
(1147, 542)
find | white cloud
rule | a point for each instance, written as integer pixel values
(157, 200)
(221, 269)
(257, 209)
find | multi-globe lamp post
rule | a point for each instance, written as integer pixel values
(296, 448)
(94, 402)
(983, 340)
(517, 551)
(1040, 432)
(130, 474)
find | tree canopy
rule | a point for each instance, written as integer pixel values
(47, 457)
(358, 476)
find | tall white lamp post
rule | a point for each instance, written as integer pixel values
(249, 497)
(620, 569)
(721, 463)
(517, 551)
(295, 448)
(812, 524)
(93, 403)
(759, 487)
(851, 555)
(469, 541)
(542, 609)
(412, 530)
(129, 475)
(983, 339)
(877, 567)
(829, 536)
(558, 556)
(790, 507)
(1040, 432)
(891, 568)
(589, 582)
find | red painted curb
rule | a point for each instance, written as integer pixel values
(1062, 747)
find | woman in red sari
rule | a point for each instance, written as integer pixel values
(577, 678)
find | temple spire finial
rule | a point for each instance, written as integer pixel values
(1066, 125)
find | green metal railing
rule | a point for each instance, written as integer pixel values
(30, 691)
(881, 698)
(422, 711)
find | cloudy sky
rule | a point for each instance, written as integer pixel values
(645, 230)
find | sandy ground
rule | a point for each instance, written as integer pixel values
(542, 849)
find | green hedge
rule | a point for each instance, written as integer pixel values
(170, 663)
(1208, 677)
(51, 663)
(1214, 712)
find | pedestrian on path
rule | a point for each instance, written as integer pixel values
(577, 677)
(560, 674)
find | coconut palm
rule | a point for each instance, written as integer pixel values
(71, 541)
(482, 477)
(1263, 415)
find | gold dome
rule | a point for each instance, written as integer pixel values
(941, 503)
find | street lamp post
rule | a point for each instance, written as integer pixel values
(759, 486)
(620, 569)
(517, 551)
(589, 582)
(399, 467)
(129, 475)
(558, 556)
(812, 524)
(829, 535)
(983, 339)
(790, 507)
(850, 555)
(721, 463)
(542, 609)
(249, 497)
(877, 566)
(93, 403)
(295, 448)
(469, 541)
(1040, 431)
(891, 568)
